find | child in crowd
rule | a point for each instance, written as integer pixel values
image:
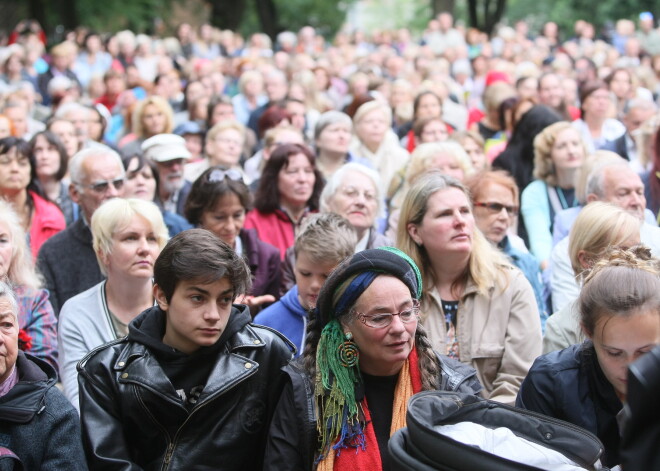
(323, 243)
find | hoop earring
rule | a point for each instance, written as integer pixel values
(348, 352)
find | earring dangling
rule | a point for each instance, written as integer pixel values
(348, 352)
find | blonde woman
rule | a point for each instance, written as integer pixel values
(375, 140)
(448, 157)
(476, 306)
(151, 116)
(598, 227)
(558, 156)
(128, 236)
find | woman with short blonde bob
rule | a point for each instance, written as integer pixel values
(558, 156)
(448, 157)
(128, 236)
(476, 306)
(598, 227)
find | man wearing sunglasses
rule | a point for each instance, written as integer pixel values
(67, 260)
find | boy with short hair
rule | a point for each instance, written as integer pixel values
(194, 383)
(324, 241)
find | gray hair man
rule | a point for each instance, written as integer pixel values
(67, 260)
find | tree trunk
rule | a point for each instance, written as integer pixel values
(472, 9)
(226, 14)
(438, 6)
(267, 12)
(69, 14)
(37, 10)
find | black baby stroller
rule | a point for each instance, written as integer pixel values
(434, 417)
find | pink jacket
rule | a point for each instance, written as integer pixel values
(275, 228)
(47, 221)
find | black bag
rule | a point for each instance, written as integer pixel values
(419, 447)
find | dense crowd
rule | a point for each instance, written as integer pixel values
(205, 219)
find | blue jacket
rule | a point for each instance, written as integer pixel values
(528, 264)
(288, 317)
(569, 385)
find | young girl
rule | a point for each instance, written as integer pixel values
(586, 384)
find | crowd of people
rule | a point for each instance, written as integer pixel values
(301, 234)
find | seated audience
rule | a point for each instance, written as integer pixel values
(128, 236)
(586, 384)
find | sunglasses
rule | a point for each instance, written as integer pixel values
(218, 175)
(495, 208)
(102, 186)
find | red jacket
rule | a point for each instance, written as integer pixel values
(47, 221)
(275, 228)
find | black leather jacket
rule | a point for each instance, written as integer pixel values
(293, 439)
(132, 417)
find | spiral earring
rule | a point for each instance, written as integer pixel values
(348, 352)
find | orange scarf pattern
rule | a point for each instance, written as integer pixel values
(408, 383)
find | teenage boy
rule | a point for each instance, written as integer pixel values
(194, 384)
(325, 240)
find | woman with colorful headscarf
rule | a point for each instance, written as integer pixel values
(365, 356)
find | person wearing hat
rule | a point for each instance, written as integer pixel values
(169, 153)
(366, 354)
(193, 134)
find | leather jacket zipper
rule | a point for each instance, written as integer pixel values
(172, 445)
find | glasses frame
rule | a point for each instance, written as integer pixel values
(512, 211)
(103, 185)
(364, 318)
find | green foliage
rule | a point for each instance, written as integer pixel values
(566, 12)
(326, 17)
(113, 15)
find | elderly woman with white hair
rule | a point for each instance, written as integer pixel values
(448, 157)
(40, 429)
(128, 236)
(375, 140)
(354, 192)
(332, 138)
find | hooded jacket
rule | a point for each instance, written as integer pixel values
(288, 317)
(37, 423)
(145, 405)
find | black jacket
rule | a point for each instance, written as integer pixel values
(292, 439)
(68, 263)
(133, 418)
(569, 385)
(37, 422)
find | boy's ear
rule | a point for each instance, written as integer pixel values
(160, 297)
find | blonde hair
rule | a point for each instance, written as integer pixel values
(622, 283)
(223, 126)
(326, 238)
(21, 270)
(115, 214)
(487, 266)
(423, 157)
(544, 142)
(599, 226)
(162, 105)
